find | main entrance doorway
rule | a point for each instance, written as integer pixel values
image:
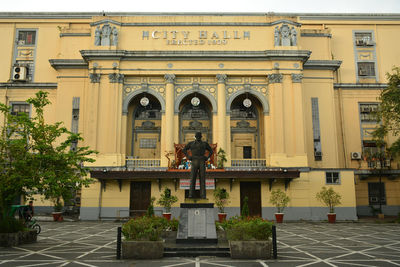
(251, 190)
(140, 198)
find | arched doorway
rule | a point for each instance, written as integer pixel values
(195, 116)
(144, 127)
(247, 128)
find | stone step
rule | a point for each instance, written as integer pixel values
(197, 253)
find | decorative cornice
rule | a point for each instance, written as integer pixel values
(322, 65)
(302, 16)
(360, 86)
(116, 77)
(169, 78)
(94, 77)
(18, 85)
(297, 78)
(275, 78)
(292, 55)
(221, 78)
(68, 64)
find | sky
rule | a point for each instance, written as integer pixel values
(174, 6)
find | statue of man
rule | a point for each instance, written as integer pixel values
(198, 158)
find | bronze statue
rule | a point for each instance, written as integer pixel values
(198, 158)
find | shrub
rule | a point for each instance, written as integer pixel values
(329, 197)
(148, 228)
(150, 208)
(279, 199)
(246, 229)
(245, 208)
(11, 225)
(221, 198)
(167, 200)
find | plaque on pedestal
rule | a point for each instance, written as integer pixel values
(197, 223)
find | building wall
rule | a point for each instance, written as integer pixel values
(281, 80)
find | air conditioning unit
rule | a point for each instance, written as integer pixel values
(355, 155)
(373, 199)
(19, 73)
(317, 154)
(360, 42)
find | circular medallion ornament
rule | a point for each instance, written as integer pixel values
(247, 103)
(195, 101)
(144, 101)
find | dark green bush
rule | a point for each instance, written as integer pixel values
(11, 225)
(245, 208)
(147, 228)
(247, 228)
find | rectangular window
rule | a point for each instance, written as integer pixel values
(364, 39)
(148, 143)
(19, 108)
(316, 129)
(376, 191)
(247, 152)
(368, 112)
(366, 68)
(332, 178)
(26, 37)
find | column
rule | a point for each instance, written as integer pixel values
(168, 133)
(221, 112)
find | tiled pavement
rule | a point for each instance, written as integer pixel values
(299, 244)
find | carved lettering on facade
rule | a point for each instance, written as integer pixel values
(201, 37)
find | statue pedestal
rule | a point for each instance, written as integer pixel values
(197, 223)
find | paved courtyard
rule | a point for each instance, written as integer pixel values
(299, 244)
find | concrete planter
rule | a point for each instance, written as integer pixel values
(15, 239)
(221, 234)
(142, 249)
(251, 249)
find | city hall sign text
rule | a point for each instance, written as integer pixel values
(196, 37)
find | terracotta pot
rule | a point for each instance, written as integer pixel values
(331, 217)
(381, 216)
(167, 216)
(221, 217)
(279, 217)
(57, 216)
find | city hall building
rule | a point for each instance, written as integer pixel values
(288, 97)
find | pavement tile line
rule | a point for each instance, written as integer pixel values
(93, 244)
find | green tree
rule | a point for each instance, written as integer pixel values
(36, 157)
(329, 197)
(15, 160)
(279, 199)
(388, 114)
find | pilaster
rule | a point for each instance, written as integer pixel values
(221, 112)
(167, 140)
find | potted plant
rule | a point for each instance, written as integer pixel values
(57, 206)
(142, 238)
(249, 237)
(221, 158)
(167, 200)
(331, 199)
(280, 200)
(221, 197)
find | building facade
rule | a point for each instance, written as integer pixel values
(288, 97)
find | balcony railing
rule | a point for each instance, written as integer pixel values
(142, 163)
(259, 163)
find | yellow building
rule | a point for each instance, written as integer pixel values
(287, 96)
